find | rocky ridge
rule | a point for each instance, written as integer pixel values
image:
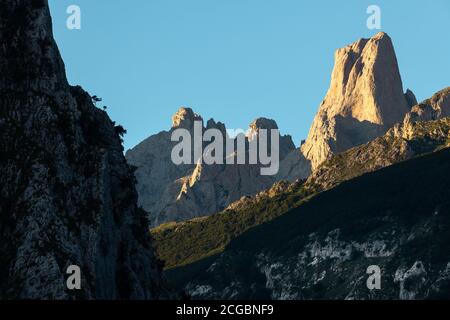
(401, 143)
(170, 192)
(365, 100)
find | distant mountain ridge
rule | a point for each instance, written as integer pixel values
(171, 192)
(365, 99)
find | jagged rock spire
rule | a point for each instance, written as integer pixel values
(185, 118)
(365, 99)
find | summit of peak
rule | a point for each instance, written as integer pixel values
(263, 123)
(365, 99)
(185, 118)
(381, 35)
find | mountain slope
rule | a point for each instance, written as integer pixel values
(396, 218)
(183, 243)
(67, 194)
(189, 241)
(400, 143)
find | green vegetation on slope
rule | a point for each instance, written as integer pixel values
(186, 242)
(410, 190)
(178, 244)
(405, 206)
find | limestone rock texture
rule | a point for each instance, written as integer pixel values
(159, 180)
(434, 108)
(67, 194)
(424, 129)
(364, 100)
(401, 143)
(170, 192)
(294, 167)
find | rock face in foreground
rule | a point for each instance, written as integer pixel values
(67, 194)
(364, 100)
(172, 192)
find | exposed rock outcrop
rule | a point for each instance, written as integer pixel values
(185, 118)
(410, 98)
(436, 107)
(171, 192)
(364, 100)
(294, 166)
(402, 142)
(159, 180)
(424, 129)
(179, 243)
(67, 194)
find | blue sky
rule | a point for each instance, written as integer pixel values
(236, 60)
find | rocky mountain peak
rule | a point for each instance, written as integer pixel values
(366, 82)
(436, 107)
(172, 192)
(266, 124)
(212, 124)
(185, 118)
(365, 99)
(263, 123)
(410, 98)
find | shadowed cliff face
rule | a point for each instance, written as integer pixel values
(30, 59)
(67, 195)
